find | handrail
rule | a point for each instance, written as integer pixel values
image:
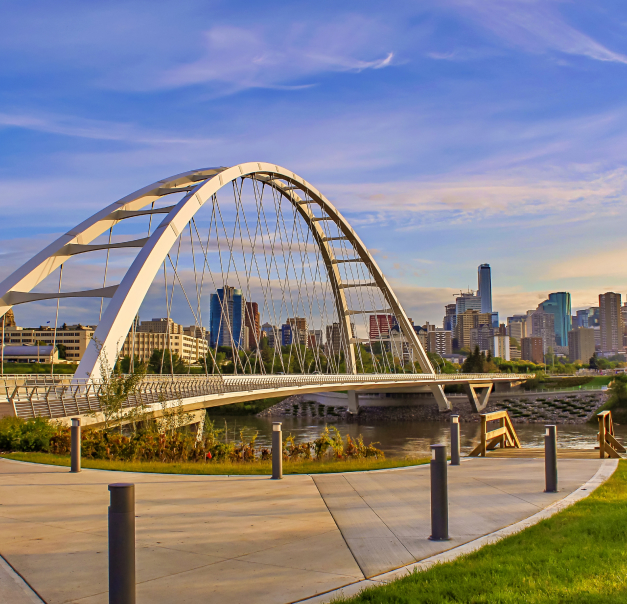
(65, 396)
(504, 435)
(607, 442)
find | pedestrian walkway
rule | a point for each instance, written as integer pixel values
(252, 539)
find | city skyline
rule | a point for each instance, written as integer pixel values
(494, 141)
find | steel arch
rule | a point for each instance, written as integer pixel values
(200, 186)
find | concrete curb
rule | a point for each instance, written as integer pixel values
(13, 588)
(608, 467)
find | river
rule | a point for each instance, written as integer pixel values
(407, 438)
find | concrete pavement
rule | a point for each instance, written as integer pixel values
(251, 539)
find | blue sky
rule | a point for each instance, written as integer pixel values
(449, 133)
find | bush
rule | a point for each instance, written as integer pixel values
(156, 442)
(26, 435)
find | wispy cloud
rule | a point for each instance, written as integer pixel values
(69, 125)
(239, 58)
(537, 26)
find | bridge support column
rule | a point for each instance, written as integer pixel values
(353, 402)
(478, 399)
(438, 392)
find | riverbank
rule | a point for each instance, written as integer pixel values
(222, 468)
(570, 407)
(575, 556)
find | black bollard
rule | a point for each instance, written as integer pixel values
(439, 494)
(550, 459)
(76, 445)
(277, 451)
(122, 544)
(454, 440)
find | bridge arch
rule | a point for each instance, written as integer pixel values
(199, 187)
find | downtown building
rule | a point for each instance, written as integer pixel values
(226, 319)
(558, 304)
(581, 345)
(74, 338)
(611, 322)
(532, 349)
(189, 343)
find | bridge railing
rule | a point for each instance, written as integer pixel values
(66, 396)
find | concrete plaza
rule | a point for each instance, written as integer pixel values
(250, 539)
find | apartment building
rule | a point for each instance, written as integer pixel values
(146, 340)
(581, 344)
(74, 338)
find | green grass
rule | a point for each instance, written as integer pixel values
(220, 467)
(21, 368)
(577, 556)
(247, 408)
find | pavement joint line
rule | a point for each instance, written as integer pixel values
(608, 467)
(506, 493)
(29, 593)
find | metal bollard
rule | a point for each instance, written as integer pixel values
(122, 544)
(439, 494)
(277, 451)
(550, 459)
(76, 445)
(454, 440)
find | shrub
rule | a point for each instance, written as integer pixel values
(17, 434)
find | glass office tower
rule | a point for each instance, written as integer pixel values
(559, 306)
(484, 282)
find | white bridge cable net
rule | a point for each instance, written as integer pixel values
(258, 239)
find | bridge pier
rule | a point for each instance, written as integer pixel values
(478, 395)
(353, 402)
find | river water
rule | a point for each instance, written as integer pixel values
(407, 438)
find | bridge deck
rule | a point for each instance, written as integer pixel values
(62, 397)
(251, 539)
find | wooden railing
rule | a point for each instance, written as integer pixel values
(608, 445)
(504, 435)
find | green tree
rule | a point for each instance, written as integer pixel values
(163, 356)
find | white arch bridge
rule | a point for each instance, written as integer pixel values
(262, 244)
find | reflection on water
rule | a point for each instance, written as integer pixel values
(411, 439)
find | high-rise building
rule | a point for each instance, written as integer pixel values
(287, 334)
(532, 349)
(449, 317)
(314, 339)
(380, 326)
(334, 337)
(581, 344)
(467, 301)
(481, 336)
(543, 326)
(299, 329)
(468, 320)
(499, 347)
(517, 327)
(272, 333)
(484, 283)
(611, 322)
(581, 319)
(226, 318)
(440, 341)
(558, 304)
(253, 322)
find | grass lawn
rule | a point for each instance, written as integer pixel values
(577, 556)
(220, 467)
(15, 368)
